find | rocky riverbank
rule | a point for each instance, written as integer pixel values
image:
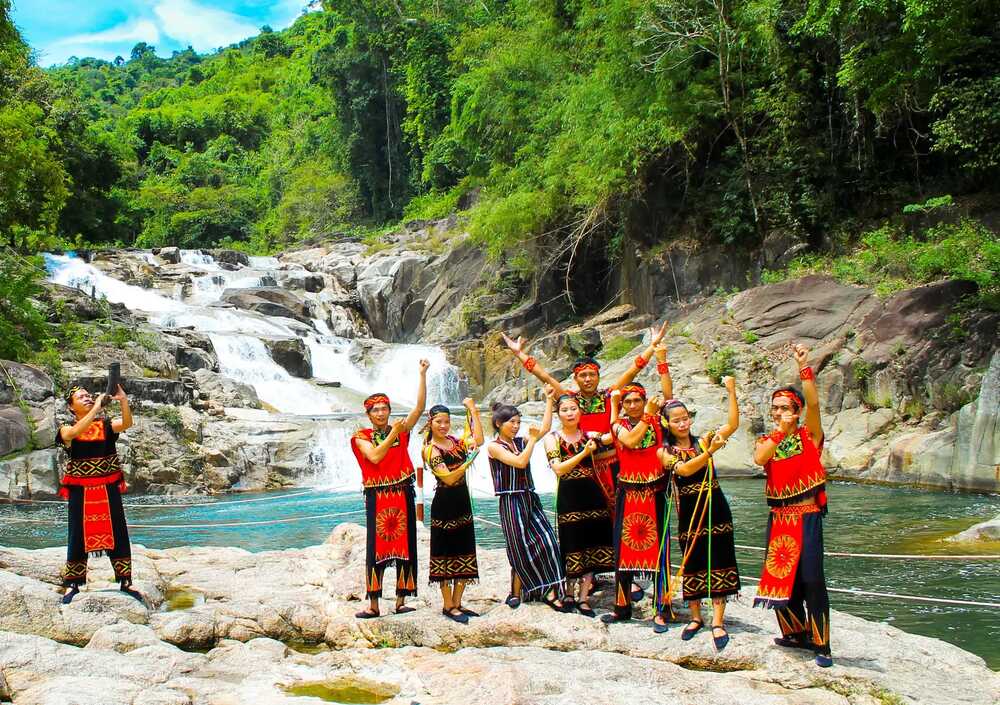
(224, 626)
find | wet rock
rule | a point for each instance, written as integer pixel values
(293, 355)
(195, 359)
(170, 255)
(231, 257)
(268, 301)
(983, 531)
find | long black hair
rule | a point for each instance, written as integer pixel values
(668, 437)
(502, 413)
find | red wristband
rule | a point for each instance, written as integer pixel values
(529, 363)
(806, 373)
(777, 437)
(641, 362)
(662, 368)
(650, 419)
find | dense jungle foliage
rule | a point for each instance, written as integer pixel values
(571, 122)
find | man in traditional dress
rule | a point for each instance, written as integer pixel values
(93, 483)
(792, 581)
(595, 404)
(387, 474)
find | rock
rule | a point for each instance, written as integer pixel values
(298, 279)
(15, 431)
(170, 255)
(76, 303)
(293, 355)
(232, 257)
(800, 310)
(268, 301)
(257, 606)
(159, 391)
(33, 475)
(227, 391)
(845, 447)
(983, 531)
(195, 359)
(32, 384)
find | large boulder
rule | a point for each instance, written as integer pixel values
(231, 257)
(30, 384)
(268, 301)
(15, 431)
(159, 391)
(292, 354)
(31, 475)
(226, 390)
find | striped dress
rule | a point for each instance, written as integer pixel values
(531, 544)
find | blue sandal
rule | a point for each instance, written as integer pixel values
(720, 641)
(687, 633)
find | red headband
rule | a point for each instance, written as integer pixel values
(633, 388)
(586, 366)
(376, 399)
(788, 395)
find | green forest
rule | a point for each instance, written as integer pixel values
(850, 125)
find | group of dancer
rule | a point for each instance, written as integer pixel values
(623, 461)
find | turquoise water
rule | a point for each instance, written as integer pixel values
(863, 518)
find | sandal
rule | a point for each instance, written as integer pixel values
(513, 601)
(460, 618)
(612, 618)
(368, 614)
(403, 609)
(720, 641)
(134, 594)
(469, 613)
(688, 632)
(584, 608)
(563, 608)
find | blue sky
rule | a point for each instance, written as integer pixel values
(59, 29)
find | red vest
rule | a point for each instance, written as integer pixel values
(394, 468)
(599, 421)
(639, 466)
(795, 471)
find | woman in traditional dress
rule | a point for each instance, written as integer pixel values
(640, 528)
(705, 523)
(582, 514)
(795, 489)
(536, 566)
(453, 535)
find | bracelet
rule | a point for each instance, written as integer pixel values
(777, 437)
(529, 363)
(650, 419)
(641, 362)
(806, 373)
(662, 368)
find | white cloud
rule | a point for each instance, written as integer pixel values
(204, 28)
(105, 44)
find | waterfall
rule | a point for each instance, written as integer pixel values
(246, 359)
(264, 262)
(196, 258)
(398, 370)
(74, 272)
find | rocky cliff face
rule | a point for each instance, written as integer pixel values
(225, 626)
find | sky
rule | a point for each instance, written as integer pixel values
(59, 29)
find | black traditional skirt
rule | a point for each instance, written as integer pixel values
(585, 525)
(695, 524)
(453, 535)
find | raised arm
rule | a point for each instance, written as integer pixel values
(632, 438)
(68, 433)
(376, 453)
(414, 416)
(530, 364)
(475, 422)
(441, 471)
(663, 370)
(562, 467)
(125, 422)
(655, 336)
(713, 443)
(733, 422)
(810, 394)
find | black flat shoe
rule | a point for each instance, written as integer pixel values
(469, 613)
(824, 660)
(793, 643)
(720, 641)
(637, 594)
(688, 632)
(403, 609)
(563, 608)
(134, 594)
(585, 609)
(68, 597)
(460, 618)
(659, 628)
(612, 618)
(367, 614)
(513, 601)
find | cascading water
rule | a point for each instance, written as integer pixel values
(196, 258)
(75, 273)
